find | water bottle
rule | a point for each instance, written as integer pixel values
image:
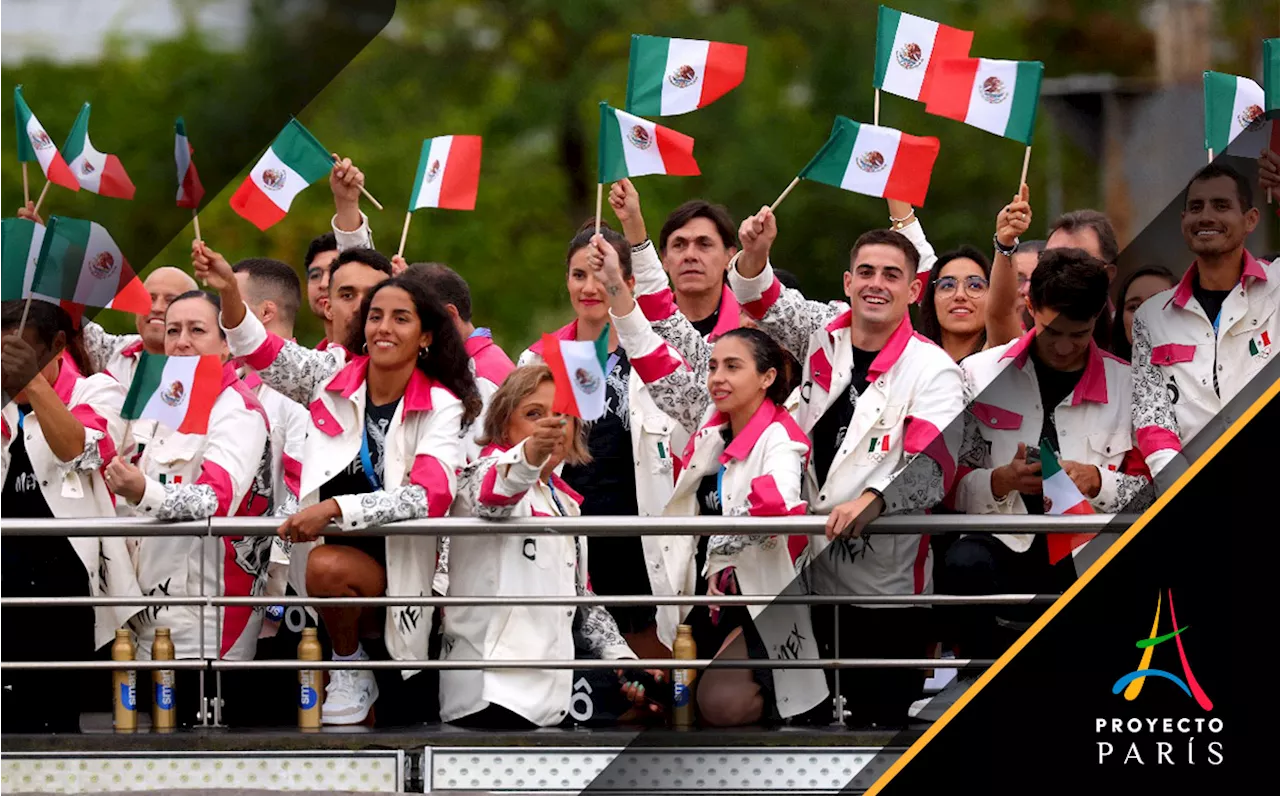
(684, 650)
(124, 685)
(163, 710)
(309, 682)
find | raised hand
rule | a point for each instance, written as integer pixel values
(212, 268)
(29, 212)
(1014, 218)
(625, 201)
(398, 265)
(1268, 171)
(756, 234)
(549, 433)
(346, 180)
(19, 364)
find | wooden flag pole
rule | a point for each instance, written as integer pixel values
(195, 220)
(40, 200)
(599, 204)
(875, 114)
(1026, 164)
(25, 309)
(783, 195)
(1210, 155)
(404, 233)
(26, 186)
(363, 192)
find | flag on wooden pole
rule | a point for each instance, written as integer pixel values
(668, 77)
(909, 49)
(1000, 97)
(22, 239)
(448, 173)
(177, 392)
(190, 191)
(294, 160)
(97, 172)
(1232, 105)
(80, 263)
(876, 161)
(34, 144)
(578, 368)
(633, 147)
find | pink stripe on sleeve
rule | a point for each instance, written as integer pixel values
(489, 494)
(657, 306)
(96, 422)
(757, 309)
(292, 470)
(766, 501)
(924, 437)
(213, 475)
(429, 474)
(662, 362)
(1157, 438)
(265, 354)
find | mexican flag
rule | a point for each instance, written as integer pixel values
(579, 371)
(668, 77)
(98, 173)
(190, 191)
(293, 161)
(908, 50)
(21, 240)
(633, 147)
(1063, 498)
(80, 263)
(1232, 105)
(448, 173)
(1271, 73)
(997, 96)
(34, 144)
(177, 392)
(876, 161)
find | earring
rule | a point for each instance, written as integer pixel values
(422, 352)
(364, 349)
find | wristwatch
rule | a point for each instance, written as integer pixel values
(1002, 250)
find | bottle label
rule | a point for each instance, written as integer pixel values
(164, 691)
(680, 687)
(307, 696)
(129, 693)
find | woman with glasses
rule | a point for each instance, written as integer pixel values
(953, 313)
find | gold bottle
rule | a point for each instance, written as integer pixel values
(310, 682)
(163, 710)
(683, 650)
(124, 685)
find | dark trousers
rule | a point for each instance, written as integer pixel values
(982, 564)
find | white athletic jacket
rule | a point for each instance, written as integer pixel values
(76, 488)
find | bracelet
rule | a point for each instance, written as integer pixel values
(899, 223)
(639, 247)
(1000, 249)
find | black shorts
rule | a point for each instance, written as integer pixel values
(374, 546)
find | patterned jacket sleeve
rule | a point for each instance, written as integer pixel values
(674, 387)
(493, 486)
(98, 406)
(1126, 489)
(102, 347)
(430, 484)
(774, 493)
(359, 238)
(657, 302)
(784, 314)
(1154, 421)
(285, 366)
(232, 458)
(594, 628)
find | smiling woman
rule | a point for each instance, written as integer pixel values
(953, 312)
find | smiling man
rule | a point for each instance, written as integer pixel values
(1195, 346)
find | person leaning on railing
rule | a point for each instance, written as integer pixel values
(384, 445)
(60, 425)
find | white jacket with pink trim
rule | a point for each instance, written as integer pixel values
(902, 440)
(76, 489)
(1183, 373)
(423, 453)
(500, 485)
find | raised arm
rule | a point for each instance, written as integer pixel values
(102, 346)
(350, 226)
(903, 217)
(1004, 316)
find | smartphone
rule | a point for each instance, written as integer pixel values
(1033, 455)
(661, 693)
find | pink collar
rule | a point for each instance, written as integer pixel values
(1093, 382)
(417, 393)
(132, 350)
(730, 316)
(569, 332)
(1252, 268)
(893, 348)
(68, 375)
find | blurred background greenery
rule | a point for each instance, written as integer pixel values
(528, 76)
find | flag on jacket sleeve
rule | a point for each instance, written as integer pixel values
(190, 191)
(876, 161)
(97, 172)
(81, 264)
(177, 392)
(633, 147)
(1062, 497)
(34, 144)
(579, 371)
(1000, 97)
(909, 49)
(668, 77)
(448, 173)
(21, 239)
(292, 162)
(1232, 105)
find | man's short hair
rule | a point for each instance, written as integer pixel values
(319, 245)
(887, 237)
(272, 280)
(1077, 220)
(1071, 281)
(1031, 246)
(1215, 170)
(369, 257)
(698, 208)
(447, 285)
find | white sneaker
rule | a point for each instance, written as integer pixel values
(349, 696)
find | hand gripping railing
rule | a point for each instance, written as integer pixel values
(578, 526)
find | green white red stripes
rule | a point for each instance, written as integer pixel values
(1271, 73)
(190, 191)
(34, 144)
(177, 392)
(1061, 497)
(876, 161)
(1000, 97)
(908, 50)
(293, 161)
(80, 263)
(668, 77)
(633, 147)
(578, 368)
(448, 173)
(22, 238)
(1232, 105)
(97, 172)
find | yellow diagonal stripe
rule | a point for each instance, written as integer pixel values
(1133, 689)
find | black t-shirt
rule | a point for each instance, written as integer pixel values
(709, 496)
(708, 324)
(1211, 300)
(1055, 386)
(22, 495)
(828, 433)
(352, 480)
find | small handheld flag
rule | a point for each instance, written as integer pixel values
(81, 264)
(294, 160)
(1271, 73)
(1000, 97)
(633, 147)
(909, 49)
(578, 368)
(177, 392)
(1232, 105)
(1061, 497)
(668, 77)
(876, 161)
(34, 144)
(22, 240)
(190, 191)
(448, 173)
(97, 172)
